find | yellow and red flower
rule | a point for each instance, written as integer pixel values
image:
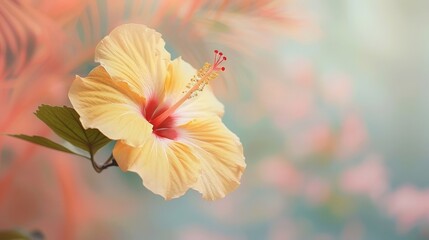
(163, 114)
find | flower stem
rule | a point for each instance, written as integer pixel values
(108, 163)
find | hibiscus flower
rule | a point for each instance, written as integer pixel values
(163, 114)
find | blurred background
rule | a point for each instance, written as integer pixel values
(328, 97)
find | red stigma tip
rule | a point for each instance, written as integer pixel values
(218, 59)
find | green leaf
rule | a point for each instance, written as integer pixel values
(43, 142)
(13, 235)
(64, 121)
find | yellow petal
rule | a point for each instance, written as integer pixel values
(110, 107)
(166, 167)
(220, 153)
(135, 54)
(202, 106)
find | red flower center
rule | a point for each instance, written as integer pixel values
(160, 116)
(164, 129)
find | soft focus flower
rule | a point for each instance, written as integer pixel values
(280, 173)
(409, 206)
(369, 178)
(169, 130)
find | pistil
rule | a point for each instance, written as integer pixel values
(207, 73)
